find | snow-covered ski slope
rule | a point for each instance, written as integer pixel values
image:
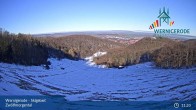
(76, 80)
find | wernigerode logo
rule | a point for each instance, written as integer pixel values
(165, 18)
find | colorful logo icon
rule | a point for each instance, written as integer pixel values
(163, 18)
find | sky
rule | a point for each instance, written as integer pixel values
(45, 16)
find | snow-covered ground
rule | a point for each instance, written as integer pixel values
(76, 80)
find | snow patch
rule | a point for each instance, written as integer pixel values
(90, 59)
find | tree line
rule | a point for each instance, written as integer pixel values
(21, 49)
(79, 46)
(180, 54)
(27, 50)
(164, 52)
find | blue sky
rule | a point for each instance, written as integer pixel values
(43, 16)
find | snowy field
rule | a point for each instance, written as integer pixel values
(76, 80)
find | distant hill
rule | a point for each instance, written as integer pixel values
(96, 33)
(113, 33)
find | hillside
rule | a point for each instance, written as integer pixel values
(180, 54)
(22, 49)
(166, 53)
(140, 51)
(79, 46)
(27, 50)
